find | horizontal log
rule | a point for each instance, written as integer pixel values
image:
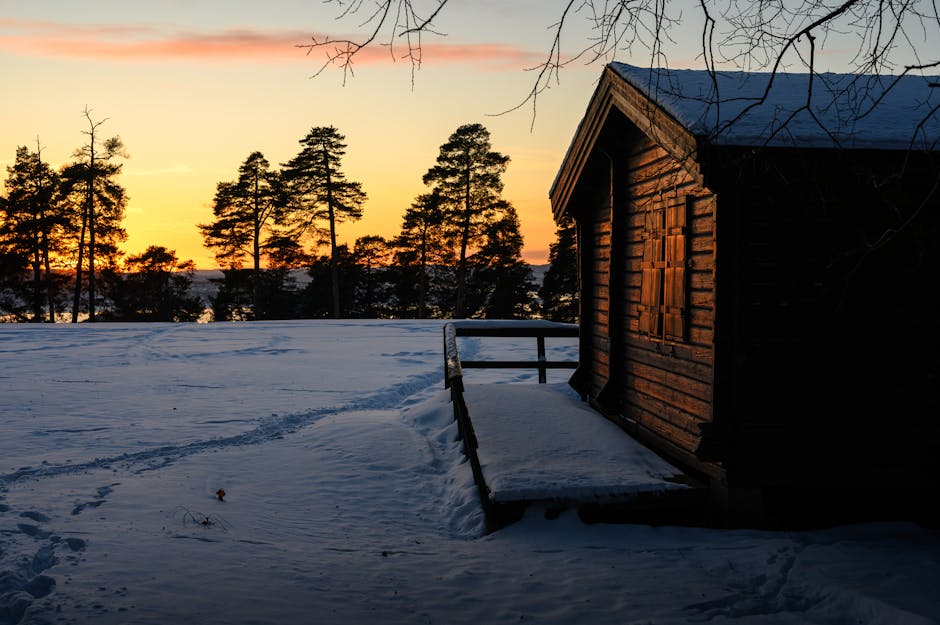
(702, 338)
(682, 428)
(673, 380)
(697, 409)
(518, 364)
(512, 329)
(693, 361)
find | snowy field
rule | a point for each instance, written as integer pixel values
(347, 499)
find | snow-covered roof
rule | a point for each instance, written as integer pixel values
(845, 110)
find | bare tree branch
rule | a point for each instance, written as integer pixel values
(869, 37)
(389, 19)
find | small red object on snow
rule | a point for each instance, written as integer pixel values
(220, 494)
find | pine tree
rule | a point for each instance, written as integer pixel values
(247, 215)
(559, 290)
(320, 191)
(35, 226)
(468, 178)
(317, 296)
(156, 287)
(13, 267)
(501, 285)
(233, 298)
(372, 254)
(98, 201)
(422, 245)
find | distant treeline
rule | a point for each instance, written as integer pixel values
(156, 287)
(458, 253)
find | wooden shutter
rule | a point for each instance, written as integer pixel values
(651, 285)
(675, 309)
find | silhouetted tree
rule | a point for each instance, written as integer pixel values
(402, 281)
(13, 268)
(35, 226)
(318, 296)
(155, 287)
(501, 285)
(234, 296)
(468, 179)
(91, 191)
(276, 289)
(372, 255)
(319, 191)
(279, 295)
(422, 245)
(559, 290)
(247, 214)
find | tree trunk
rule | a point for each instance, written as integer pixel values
(334, 264)
(50, 292)
(44, 232)
(459, 312)
(37, 284)
(423, 276)
(91, 259)
(91, 229)
(256, 251)
(78, 268)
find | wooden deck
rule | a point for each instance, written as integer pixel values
(539, 444)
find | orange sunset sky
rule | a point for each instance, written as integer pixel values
(194, 86)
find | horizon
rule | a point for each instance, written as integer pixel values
(192, 90)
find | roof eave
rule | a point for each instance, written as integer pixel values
(614, 92)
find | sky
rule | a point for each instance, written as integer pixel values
(192, 88)
(348, 499)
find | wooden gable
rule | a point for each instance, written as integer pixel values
(613, 93)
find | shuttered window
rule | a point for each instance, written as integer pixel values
(663, 311)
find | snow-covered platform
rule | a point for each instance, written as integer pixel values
(541, 443)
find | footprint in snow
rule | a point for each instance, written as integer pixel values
(33, 531)
(79, 508)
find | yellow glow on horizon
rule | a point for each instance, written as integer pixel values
(166, 206)
(192, 91)
(390, 145)
(192, 88)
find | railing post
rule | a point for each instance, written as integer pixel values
(542, 374)
(451, 356)
(446, 361)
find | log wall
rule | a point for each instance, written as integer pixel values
(667, 384)
(598, 297)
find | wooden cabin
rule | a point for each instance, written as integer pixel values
(758, 280)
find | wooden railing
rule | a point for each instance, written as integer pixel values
(453, 365)
(453, 379)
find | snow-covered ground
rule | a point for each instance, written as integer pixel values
(348, 500)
